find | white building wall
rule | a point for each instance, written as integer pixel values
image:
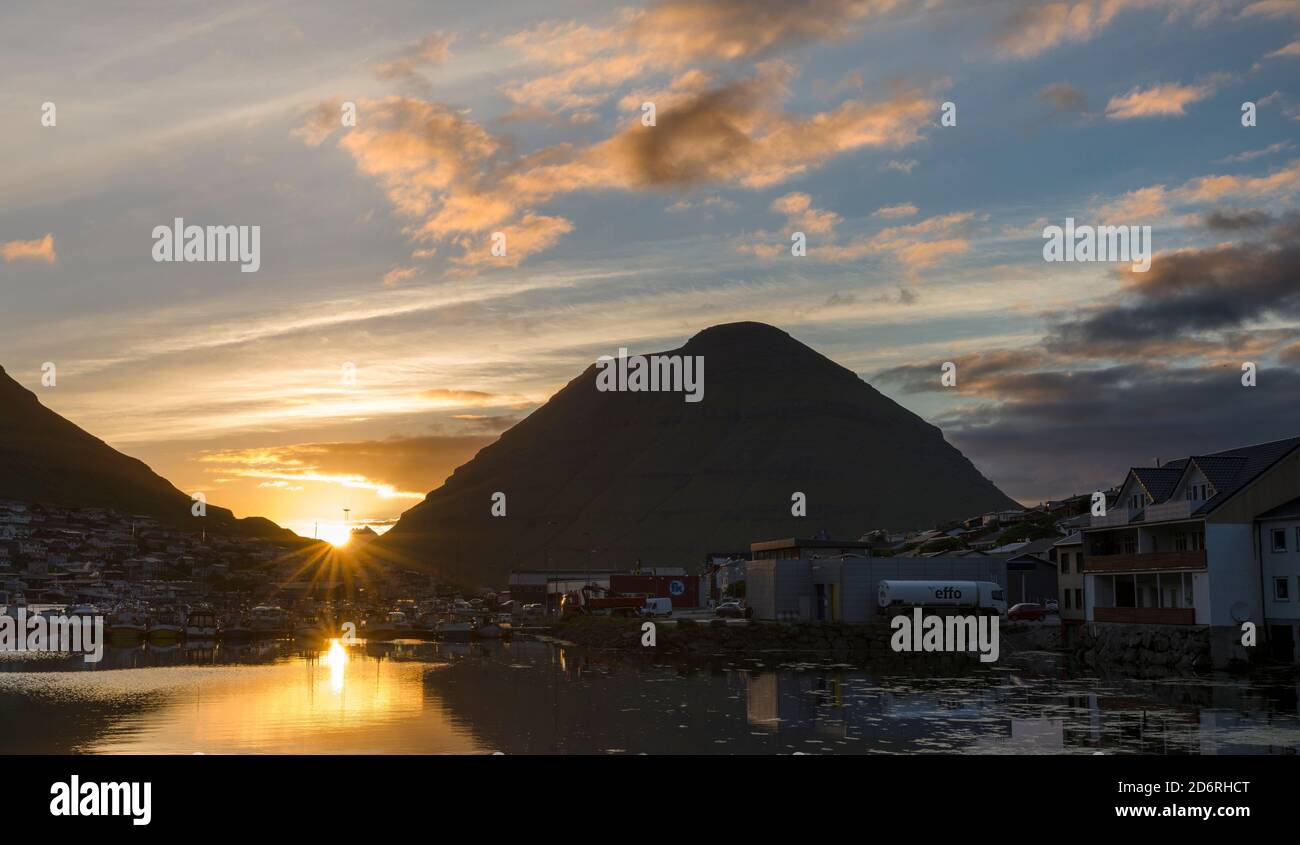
(1233, 571)
(1281, 565)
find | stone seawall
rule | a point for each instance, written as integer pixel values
(1142, 649)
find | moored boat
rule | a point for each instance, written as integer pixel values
(201, 624)
(393, 626)
(313, 629)
(455, 629)
(268, 621)
(127, 625)
(235, 629)
(166, 626)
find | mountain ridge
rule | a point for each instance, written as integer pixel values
(608, 478)
(46, 458)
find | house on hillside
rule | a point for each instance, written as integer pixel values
(1031, 572)
(1203, 541)
(1068, 555)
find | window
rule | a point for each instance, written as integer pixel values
(1279, 540)
(1135, 502)
(1078, 599)
(1180, 542)
(1281, 589)
(1067, 599)
(1130, 545)
(1065, 563)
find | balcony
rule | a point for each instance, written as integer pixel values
(1152, 562)
(1176, 509)
(1145, 615)
(1114, 517)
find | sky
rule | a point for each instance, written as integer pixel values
(381, 342)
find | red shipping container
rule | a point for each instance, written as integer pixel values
(684, 590)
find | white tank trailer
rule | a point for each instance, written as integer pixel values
(980, 597)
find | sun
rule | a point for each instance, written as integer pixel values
(335, 533)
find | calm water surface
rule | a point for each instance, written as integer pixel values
(531, 697)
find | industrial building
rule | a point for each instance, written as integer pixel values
(826, 580)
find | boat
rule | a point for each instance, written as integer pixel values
(313, 629)
(166, 626)
(234, 629)
(127, 625)
(393, 626)
(268, 621)
(201, 624)
(455, 629)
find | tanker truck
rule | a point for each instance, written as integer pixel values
(943, 597)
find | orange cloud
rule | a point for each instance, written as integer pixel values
(1157, 101)
(1156, 200)
(801, 216)
(593, 61)
(906, 209)
(434, 49)
(457, 183)
(1037, 27)
(41, 249)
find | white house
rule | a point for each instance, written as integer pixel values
(1185, 544)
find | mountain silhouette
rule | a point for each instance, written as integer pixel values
(609, 478)
(46, 459)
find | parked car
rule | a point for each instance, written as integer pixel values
(1027, 611)
(732, 609)
(1052, 606)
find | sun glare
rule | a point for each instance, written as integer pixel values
(336, 534)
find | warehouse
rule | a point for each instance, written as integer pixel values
(830, 581)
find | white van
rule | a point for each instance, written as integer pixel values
(657, 607)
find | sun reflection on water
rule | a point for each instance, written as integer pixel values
(337, 659)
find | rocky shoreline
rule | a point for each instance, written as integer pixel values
(1143, 649)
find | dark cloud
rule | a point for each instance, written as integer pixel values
(1116, 417)
(1157, 374)
(1228, 220)
(1214, 289)
(1064, 99)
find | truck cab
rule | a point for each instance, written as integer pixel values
(657, 607)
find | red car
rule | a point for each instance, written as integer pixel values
(1027, 611)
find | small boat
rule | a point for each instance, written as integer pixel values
(268, 621)
(455, 629)
(393, 626)
(494, 628)
(235, 629)
(126, 625)
(166, 626)
(313, 629)
(201, 624)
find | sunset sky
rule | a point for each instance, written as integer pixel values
(820, 116)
